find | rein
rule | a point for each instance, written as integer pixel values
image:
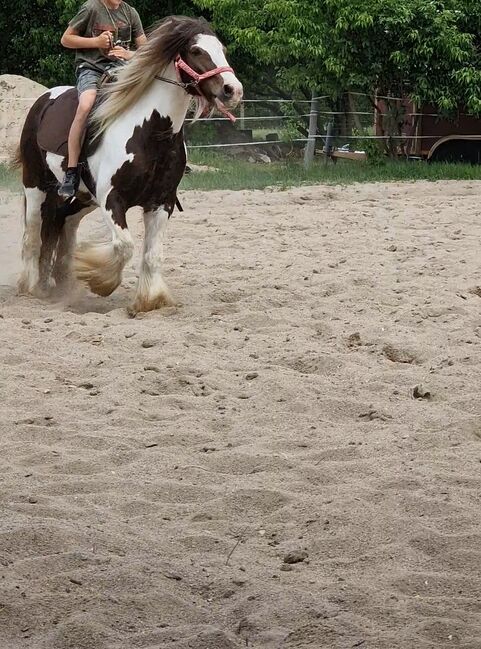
(182, 66)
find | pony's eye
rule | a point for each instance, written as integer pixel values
(195, 50)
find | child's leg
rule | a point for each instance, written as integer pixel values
(87, 85)
(86, 102)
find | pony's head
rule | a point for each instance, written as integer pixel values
(201, 62)
(194, 49)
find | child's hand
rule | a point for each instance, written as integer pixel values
(119, 52)
(104, 41)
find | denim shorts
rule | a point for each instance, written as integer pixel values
(87, 79)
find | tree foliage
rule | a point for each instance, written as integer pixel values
(428, 49)
(31, 32)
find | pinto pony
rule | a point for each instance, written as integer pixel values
(134, 155)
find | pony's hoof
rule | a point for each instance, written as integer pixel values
(26, 289)
(102, 288)
(143, 304)
(23, 287)
(98, 267)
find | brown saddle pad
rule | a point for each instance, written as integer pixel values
(54, 127)
(55, 122)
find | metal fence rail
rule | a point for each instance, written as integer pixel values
(286, 124)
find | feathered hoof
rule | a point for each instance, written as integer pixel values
(99, 285)
(97, 267)
(24, 287)
(144, 304)
(97, 282)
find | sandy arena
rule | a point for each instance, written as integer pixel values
(252, 468)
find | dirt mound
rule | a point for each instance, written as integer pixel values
(17, 94)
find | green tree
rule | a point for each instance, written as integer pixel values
(30, 43)
(425, 48)
(31, 32)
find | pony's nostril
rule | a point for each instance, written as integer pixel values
(228, 90)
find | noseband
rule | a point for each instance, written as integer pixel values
(182, 66)
(196, 79)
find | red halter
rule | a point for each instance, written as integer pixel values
(182, 66)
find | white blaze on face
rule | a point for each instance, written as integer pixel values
(214, 49)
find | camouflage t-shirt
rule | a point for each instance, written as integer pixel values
(94, 18)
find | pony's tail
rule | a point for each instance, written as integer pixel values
(16, 161)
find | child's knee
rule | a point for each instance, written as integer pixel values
(86, 102)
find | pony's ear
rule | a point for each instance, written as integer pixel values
(171, 22)
(174, 21)
(181, 25)
(177, 24)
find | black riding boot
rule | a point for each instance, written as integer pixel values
(70, 183)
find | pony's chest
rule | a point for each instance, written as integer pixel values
(155, 162)
(156, 169)
(153, 138)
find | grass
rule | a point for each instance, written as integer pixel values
(9, 179)
(239, 174)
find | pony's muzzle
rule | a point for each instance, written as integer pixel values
(228, 91)
(231, 94)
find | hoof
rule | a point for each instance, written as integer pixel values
(23, 287)
(99, 267)
(39, 291)
(143, 304)
(100, 287)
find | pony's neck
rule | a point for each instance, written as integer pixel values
(168, 99)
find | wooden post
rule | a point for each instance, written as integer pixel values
(311, 143)
(353, 110)
(328, 145)
(242, 115)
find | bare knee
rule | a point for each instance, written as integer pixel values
(85, 105)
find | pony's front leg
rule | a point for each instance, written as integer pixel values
(100, 265)
(152, 291)
(67, 242)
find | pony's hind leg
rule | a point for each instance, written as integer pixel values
(28, 282)
(52, 226)
(152, 291)
(100, 265)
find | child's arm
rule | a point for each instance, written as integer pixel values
(73, 41)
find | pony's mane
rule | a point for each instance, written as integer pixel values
(166, 39)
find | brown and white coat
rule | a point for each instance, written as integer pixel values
(137, 158)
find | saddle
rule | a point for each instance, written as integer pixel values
(55, 122)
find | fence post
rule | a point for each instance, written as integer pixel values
(328, 144)
(311, 142)
(242, 116)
